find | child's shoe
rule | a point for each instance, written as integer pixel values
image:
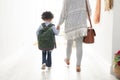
(43, 66)
(49, 68)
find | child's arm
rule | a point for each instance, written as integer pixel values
(41, 27)
(63, 13)
(56, 31)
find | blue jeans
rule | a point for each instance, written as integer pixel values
(46, 58)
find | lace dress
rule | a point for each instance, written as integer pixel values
(75, 17)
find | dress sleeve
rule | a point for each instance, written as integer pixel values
(63, 13)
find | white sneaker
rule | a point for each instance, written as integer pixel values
(49, 68)
(43, 66)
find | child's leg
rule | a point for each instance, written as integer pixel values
(43, 60)
(43, 57)
(49, 59)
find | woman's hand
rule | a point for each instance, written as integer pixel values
(58, 27)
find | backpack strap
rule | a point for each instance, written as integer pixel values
(43, 25)
(50, 25)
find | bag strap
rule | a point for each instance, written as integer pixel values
(88, 13)
(48, 26)
(43, 25)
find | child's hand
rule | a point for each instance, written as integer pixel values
(58, 27)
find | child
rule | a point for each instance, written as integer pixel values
(46, 49)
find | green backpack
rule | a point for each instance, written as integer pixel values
(46, 38)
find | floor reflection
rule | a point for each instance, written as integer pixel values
(28, 66)
(46, 75)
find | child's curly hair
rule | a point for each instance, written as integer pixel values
(47, 15)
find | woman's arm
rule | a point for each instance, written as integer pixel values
(63, 14)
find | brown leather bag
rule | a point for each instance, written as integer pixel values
(90, 36)
(90, 32)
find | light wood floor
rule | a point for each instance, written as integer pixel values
(26, 65)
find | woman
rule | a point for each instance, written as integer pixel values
(74, 15)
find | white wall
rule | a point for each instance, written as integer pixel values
(103, 39)
(116, 27)
(19, 20)
(116, 30)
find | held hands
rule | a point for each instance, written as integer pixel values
(58, 27)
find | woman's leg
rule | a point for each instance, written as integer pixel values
(69, 49)
(79, 42)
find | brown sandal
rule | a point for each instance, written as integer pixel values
(67, 61)
(78, 69)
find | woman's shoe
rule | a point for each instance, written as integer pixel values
(78, 69)
(67, 61)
